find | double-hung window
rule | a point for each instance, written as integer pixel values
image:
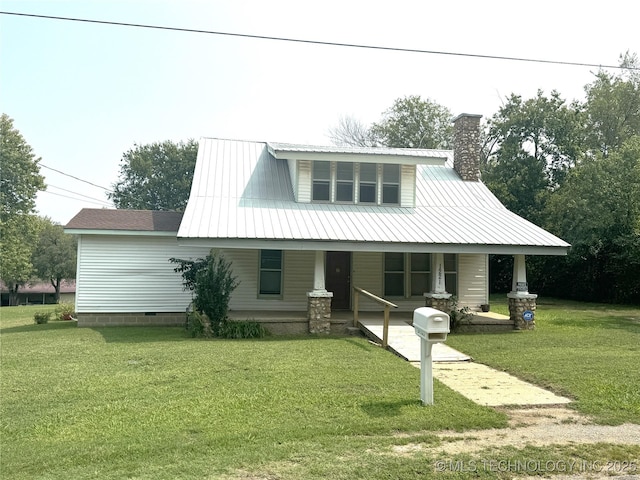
(391, 184)
(344, 182)
(409, 274)
(321, 181)
(270, 273)
(368, 191)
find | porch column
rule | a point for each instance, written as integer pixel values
(522, 304)
(319, 300)
(438, 297)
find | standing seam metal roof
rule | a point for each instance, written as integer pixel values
(241, 191)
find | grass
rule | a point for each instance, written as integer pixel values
(589, 352)
(149, 402)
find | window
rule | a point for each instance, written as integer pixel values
(368, 183)
(391, 184)
(338, 181)
(420, 273)
(451, 273)
(394, 274)
(411, 272)
(270, 272)
(344, 182)
(321, 181)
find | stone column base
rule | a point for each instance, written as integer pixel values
(439, 301)
(519, 303)
(319, 312)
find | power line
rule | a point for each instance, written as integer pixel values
(319, 42)
(72, 198)
(71, 176)
(79, 194)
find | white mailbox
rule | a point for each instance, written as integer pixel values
(430, 324)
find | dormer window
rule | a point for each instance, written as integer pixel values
(391, 184)
(368, 192)
(348, 182)
(321, 181)
(344, 182)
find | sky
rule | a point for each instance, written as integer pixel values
(82, 94)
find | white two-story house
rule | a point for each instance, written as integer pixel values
(303, 225)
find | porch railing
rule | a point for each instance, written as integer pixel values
(385, 303)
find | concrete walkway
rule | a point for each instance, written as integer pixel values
(480, 383)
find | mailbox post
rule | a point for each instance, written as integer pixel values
(432, 326)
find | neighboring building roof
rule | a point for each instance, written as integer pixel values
(66, 286)
(100, 220)
(242, 195)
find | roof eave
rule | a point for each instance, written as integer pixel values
(394, 159)
(353, 246)
(97, 231)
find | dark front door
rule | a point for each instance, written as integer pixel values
(338, 279)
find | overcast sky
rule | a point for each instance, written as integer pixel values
(82, 94)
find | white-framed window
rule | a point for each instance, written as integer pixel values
(391, 184)
(409, 274)
(346, 182)
(270, 276)
(321, 191)
(368, 183)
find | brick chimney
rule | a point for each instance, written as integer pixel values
(466, 146)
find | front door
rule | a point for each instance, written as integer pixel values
(338, 279)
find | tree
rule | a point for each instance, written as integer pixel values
(598, 211)
(19, 235)
(54, 257)
(530, 146)
(612, 106)
(350, 132)
(411, 122)
(156, 176)
(20, 181)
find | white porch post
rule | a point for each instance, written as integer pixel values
(522, 304)
(318, 273)
(437, 279)
(519, 281)
(438, 297)
(319, 300)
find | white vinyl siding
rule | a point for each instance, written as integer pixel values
(303, 185)
(366, 274)
(473, 282)
(131, 274)
(293, 173)
(408, 186)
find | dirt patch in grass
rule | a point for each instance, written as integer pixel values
(530, 427)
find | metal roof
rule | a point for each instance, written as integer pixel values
(242, 196)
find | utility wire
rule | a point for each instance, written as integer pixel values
(79, 194)
(318, 42)
(71, 176)
(73, 198)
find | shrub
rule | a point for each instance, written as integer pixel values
(41, 317)
(65, 311)
(242, 329)
(458, 316)
(198, 325)
(212, 282)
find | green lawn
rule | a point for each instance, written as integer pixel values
(589, 352)
(150, 403)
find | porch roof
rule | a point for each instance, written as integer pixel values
(242, 197)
